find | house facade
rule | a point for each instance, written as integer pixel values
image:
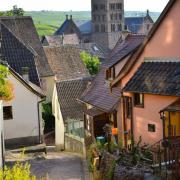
(71, 80)
(23, 50)
(144, 81)
(102, 103)
(22, 115)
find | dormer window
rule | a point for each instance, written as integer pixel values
(25, 73)
(110, 73)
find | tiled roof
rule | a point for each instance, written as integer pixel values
(93, 112)
(68, 93)
(23, 29)
(135, 23)
(99, 94)
(18, 55)
(58, 40)
(161, 78)
(95, 50)
(66, 25)
(32, 87)
(124, 47)
(65, 62)
(174, 107)
(85, 26)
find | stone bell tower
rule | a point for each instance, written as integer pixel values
(107, 21)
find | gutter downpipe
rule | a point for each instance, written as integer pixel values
(39, 123)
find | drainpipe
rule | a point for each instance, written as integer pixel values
(39, 120)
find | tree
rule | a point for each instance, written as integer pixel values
(6, 88)
(13, 12)
(92, 63)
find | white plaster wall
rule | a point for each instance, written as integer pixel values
(59, 123)
(25, 112)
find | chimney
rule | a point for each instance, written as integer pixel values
(147, 14)
(66, 16)
(71, 17)
(25, 73)
(125, 32)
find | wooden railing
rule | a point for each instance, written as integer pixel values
(166, 156)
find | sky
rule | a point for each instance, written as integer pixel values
(79, 5)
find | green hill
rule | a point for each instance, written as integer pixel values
(47, 22)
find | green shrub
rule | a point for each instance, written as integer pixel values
(48, 117)
(92, 62)
(110, 173)
(6, 88)
(18, 172)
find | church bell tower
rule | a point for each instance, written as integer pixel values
(107, 21)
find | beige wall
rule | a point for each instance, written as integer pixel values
(48, 86)
(59, 123)
(25, 112)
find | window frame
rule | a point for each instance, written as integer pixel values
(10, 117)
(136, 104)
(151, 128)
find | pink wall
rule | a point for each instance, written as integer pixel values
(150, 115)
(164, 43)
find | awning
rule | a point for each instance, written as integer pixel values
(174, 107)
(93, 112)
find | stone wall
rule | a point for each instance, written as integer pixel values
(74, 144)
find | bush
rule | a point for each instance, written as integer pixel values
(17, 172)
(92, 63)
(48, 118)
(6, 88)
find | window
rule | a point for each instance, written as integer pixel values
(151, 128)
(112, 6)
(138, 100)
(96, 28)
(103, 28)
(118, 6)
(116, 17)
(119, 27)
(103, 17)
(111, 17)
(7, 113)
(94, 17)
(95, 7)
(113, 28)
(102, 7)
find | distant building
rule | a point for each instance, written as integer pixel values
(107, 21)
(139, 25)
(107, 24)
